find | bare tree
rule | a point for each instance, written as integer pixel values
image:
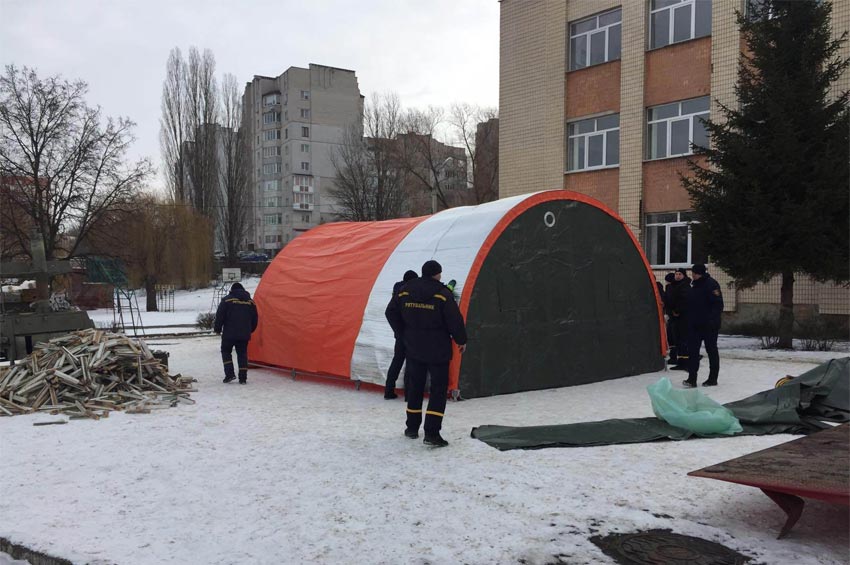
(432, 167)
(233, 170)
(369, 182)
(201, 152)
(61, 167)
(477, 130)
(173, 124)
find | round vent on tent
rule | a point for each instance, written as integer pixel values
(549, 219)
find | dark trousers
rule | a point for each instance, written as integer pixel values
(395, 367)
(680, 341)
(415, 375)
(227, 346)
(697, 336)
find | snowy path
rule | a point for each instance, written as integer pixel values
(284, 471)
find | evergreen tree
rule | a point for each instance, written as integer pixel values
(773, 198)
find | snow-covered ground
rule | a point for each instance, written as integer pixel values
(284, 471)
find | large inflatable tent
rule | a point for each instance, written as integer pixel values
(554, 288)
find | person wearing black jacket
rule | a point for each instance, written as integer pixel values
(705, 304)
(236, 319)
(677, 306)
(398, 352)
(425, 313)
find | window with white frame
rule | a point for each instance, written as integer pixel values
(593, 143)
(669, 240)
(271, 117)
(271, 135)
(271, 99)
(305, 148)
(272, 219)
(672, 21)
(305, 131)
(305, 166)
(302, 198)
(303, 182)
(271, 168)
(305, 95)
(595, 40)
(305, 113)
(271, 185)
(672, 128)
(305, 218)
(271, 151)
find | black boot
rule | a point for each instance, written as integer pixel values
(689, 383)
(435, 440)
(229, 378)
(412, 434)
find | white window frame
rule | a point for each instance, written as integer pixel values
(606, 29)
(273, 151)
(305, 113)
(271, 135)
(271, 99)
(572, 142)
(305, 148)
(668, 226)
(271, 117)
(692, 117)
(271, 168)
(271, 185)
(679, 4)
(305, 95)
(272, 219)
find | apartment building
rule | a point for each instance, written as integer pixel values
(295, 122)
(605, 97)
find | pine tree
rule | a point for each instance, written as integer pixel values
(773, 198)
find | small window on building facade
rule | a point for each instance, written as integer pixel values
(305, 148)
(593, 143)
(305, 166)
(271, 117)
(271, 168)
(305, 95)
(595, 40)
(305, 131)
(271, 185)
(305, 218)
(271, 135)
(271, 99)
(271, 151)
(272, 219)
(305, 113)
(669, 240)
(673, 127)
(672, 21)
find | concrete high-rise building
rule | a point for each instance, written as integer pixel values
(295, 122)
(604, 97)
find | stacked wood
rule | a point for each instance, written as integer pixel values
(88, 373)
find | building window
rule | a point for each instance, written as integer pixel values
(271, 99)
(672, 21)
(271, 151)
(672, 128)
(303, 183)
(272, 219)
(305, 95)
(305, 148)
(593, 143)
(305, 113)
(595, 40)
(271, 135)
(286, 133)
(274, 201)
(271, 117)
(669, 242)
(305, 166)
(305, 218)
(271, 168)
(271, 185)
(305, 131)
(273, 239)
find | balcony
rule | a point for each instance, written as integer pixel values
(303, 206)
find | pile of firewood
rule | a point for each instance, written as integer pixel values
(88, 373)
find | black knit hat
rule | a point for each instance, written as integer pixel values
(236, 286)
(409, 275)
(699, 269)
(431, 268)
(669, 277)
(682, 270)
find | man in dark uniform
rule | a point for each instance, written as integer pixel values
(428, 318)
(705, 304)
(398, 352)
(236, 319)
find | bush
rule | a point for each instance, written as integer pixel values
(206, 320)
(816, 334)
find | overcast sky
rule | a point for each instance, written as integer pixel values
(428, 51)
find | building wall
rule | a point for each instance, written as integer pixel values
(602, 185)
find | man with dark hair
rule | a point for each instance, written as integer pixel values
(705, 305)
(425, 314)
(398, 352)
(236, 319)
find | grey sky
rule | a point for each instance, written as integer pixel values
(429, 51)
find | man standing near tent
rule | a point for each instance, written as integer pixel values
(705, 304)
(398, 352)
(677, 305)
(236, 319)
(428, 318)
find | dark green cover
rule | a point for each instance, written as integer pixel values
(800, 406)
(563, 298)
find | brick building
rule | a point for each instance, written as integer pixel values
(604, 97)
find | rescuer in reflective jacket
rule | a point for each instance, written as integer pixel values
(427, 316)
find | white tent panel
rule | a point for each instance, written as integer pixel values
(452, 237)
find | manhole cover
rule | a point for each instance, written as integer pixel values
(657, 547)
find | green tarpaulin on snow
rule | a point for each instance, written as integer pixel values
(800, 406)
